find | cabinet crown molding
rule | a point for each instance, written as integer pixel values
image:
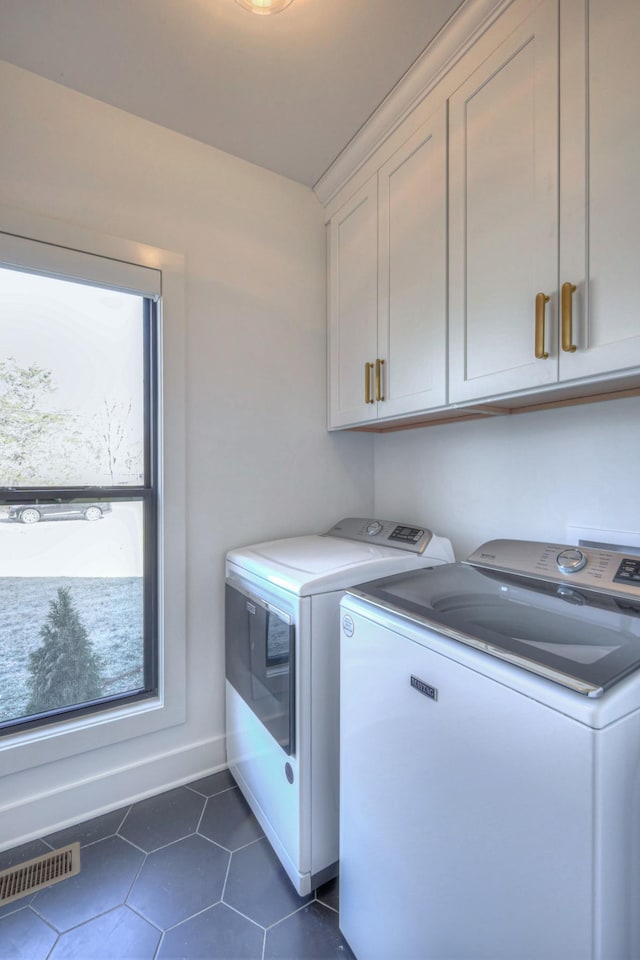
(463, 29)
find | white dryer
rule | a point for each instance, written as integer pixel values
(282, 675)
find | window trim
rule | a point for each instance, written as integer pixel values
(81, 266)
(29, 748)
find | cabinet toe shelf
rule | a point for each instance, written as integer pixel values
(629, 386)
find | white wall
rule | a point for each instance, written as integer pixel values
(259, 460)
(525, 476)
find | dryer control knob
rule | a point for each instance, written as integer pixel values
(570, 561)
(374, 528)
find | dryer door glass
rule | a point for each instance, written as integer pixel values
(259, 647)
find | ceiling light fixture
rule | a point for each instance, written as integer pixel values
(264, 6)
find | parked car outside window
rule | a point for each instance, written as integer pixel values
(33, 512)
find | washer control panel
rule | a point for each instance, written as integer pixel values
(388, 533)
(629, 571)
(587, 567)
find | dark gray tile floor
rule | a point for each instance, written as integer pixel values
(187, 874)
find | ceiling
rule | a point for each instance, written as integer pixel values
(286, 91)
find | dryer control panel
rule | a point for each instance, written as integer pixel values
(389, 533)
(586, 567)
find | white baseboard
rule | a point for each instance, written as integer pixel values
(46, 812)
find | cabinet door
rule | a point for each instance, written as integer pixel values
(504, 213)
(353, 305)
(412, 294)
(599, 185)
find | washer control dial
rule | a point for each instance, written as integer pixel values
(374, 528)
(570, 561)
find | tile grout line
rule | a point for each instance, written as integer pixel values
(198, 913)
(204, 807)
(244, 915)
(135, 879)
(226, 877)
(210, 796)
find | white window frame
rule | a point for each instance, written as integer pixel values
(32, 242)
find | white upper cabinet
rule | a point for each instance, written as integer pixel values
(412, 279)
(518, 235)
(504, 214)
(353, 306)
(600, 183)
(387, 291)
(529, 144)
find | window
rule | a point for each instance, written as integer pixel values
(79, 470)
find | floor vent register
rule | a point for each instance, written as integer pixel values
(41, 872)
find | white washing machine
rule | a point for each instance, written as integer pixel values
(282, 675)
(490, 759)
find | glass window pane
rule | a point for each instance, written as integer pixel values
(71, 385)
(71, 605)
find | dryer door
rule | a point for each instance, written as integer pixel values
(260, 662)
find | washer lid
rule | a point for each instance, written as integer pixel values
(319, 564)
(585, 640)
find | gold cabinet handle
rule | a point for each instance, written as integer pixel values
(568, 290)
(368, 367)
(379, 366)
(541, 301)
